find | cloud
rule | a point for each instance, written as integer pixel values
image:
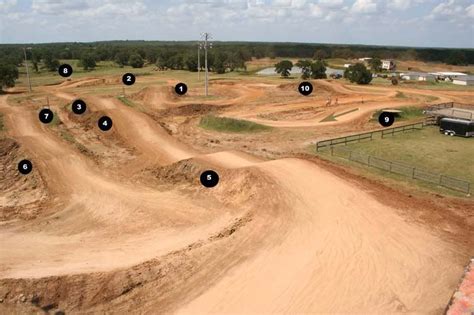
(470, 11)
(6, 5)
(364, 6)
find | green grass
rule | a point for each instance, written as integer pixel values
(224, 124)
(407, 113)
(333, 117)
(126, 101)
(56, 120)
(425, 149)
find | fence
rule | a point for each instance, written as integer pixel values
(403, 169)
(368, 135)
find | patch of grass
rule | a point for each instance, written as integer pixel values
(126, 101)
(407, 113)
(67, 136)
(225, 124)
(331, 117)
(425, 149)
(56, 120)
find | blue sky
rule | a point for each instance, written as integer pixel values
(442, 23)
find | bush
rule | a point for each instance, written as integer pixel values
(136, 61)
(358, 73)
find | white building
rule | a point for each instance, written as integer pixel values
(464, 80)
(418, 76)
(448, 75)
(388, 65)
(347, 65)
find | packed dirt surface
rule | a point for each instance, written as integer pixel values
(118, 221)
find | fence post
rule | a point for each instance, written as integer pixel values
(413, 173)
(332, 151)
(390, 167)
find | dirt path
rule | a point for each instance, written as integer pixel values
(343, 253)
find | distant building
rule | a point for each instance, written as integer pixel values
(347, 65)
(388, 65)
(448, 75)
(419, 76)
(464, 80)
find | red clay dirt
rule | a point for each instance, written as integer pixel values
(289, 235)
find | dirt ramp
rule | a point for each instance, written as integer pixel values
(21, 197)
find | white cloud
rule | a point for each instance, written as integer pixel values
(364, 6)
(6, 5)
(470, 11)
(331, 3)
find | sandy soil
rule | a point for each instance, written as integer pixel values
(136, 232)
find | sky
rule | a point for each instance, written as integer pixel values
(418, 23)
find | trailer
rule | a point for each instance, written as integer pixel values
(456, 127)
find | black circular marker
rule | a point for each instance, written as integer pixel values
(65, 70)
(105, 123)
(79, 107)
(209, 179)
(181, 88)
(25, 167)
(128, 78)
(46, 116)
(386, 119)
(305, 88)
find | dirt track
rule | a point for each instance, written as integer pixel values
(284, 236)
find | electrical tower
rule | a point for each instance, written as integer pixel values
(205, 44)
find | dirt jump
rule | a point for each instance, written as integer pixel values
(141, 235)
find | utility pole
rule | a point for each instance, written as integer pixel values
(206, 38)
(199, 61)
(27, 71)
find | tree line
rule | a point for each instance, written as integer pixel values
(226, 56)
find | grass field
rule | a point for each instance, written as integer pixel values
(224, 124)
(407, 113)
(426, 149)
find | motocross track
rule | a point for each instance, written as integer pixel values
(280, 236)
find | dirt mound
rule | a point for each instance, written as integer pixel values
(22, 196)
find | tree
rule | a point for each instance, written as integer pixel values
(191, 63)
(320, 55)
(35, 60)
(52, 64)
(358, 73)
(88, 61)
(394, 81)
(284, 68)
(456, 58)
(375, 64)
(136, 61)
(219, 62)
(121, 59)
(318, 70)
(8, 75)
(305, 66)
